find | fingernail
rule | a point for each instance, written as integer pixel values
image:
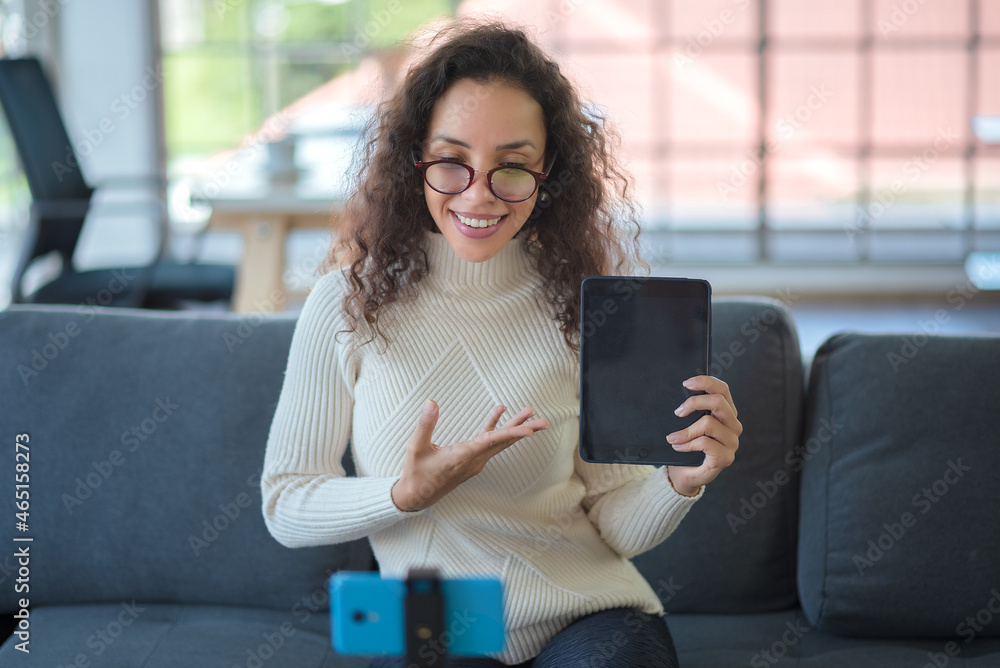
(673, 438)
(428, 407)
(677, 411)
(689, 383)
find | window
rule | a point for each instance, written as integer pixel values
(786, 131)
(230, 64)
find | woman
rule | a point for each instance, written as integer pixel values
(486, 194)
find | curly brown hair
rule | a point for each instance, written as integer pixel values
(586, 227)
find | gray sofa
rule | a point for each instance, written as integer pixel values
(856, 528)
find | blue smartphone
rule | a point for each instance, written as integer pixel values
(366, 615)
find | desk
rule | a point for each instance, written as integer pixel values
(264, 212)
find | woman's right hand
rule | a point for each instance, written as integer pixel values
(431, 471)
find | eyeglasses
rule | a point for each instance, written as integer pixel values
(511, 184)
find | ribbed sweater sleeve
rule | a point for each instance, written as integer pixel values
(633, 507)
(307, 498)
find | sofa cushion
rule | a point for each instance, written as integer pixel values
(735, 550)
(786, 640)
(131, 634)
(147, 434)
(901, 487)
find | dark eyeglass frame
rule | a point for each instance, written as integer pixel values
(538, 176)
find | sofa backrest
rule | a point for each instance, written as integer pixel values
(736, 549)
(147, 434)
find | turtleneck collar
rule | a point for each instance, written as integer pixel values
(509, 268)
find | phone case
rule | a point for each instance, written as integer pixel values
(366, 615)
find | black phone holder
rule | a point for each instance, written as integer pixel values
(423, 619)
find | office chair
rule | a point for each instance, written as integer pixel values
(60, 201)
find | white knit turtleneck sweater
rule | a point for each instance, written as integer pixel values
(556, 530)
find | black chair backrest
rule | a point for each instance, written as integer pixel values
(47, 155)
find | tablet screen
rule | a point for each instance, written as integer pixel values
(640, 339)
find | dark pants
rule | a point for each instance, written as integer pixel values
(619, 638)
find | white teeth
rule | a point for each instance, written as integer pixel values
(478, 222)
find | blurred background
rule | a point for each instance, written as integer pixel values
(842, 156)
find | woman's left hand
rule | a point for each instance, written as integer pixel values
(717, 434)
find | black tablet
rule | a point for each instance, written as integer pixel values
(640, 338)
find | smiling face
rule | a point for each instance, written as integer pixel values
(483, 125)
